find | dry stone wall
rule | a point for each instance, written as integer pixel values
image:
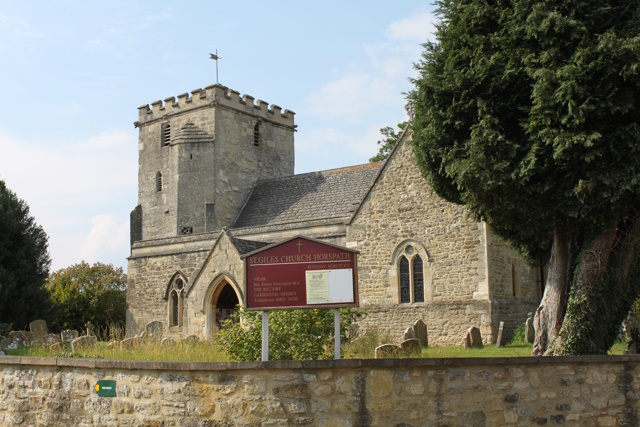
(579, 391)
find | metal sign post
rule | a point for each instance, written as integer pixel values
(265, 336)
(336, 332)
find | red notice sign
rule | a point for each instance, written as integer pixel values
(301, 273)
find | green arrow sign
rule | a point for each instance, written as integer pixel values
(106, 388)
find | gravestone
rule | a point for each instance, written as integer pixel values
(166, 341)
(475, 337)
(69, 335)
(51, 339)
(38, 329)
(59, 346)
(113, 344)
(89, 327)
(154, 329)
(191, 339)
(25, 336)
(466, 341)
(529, 332)
(83, 342)
(386, 351)
(411, 346)
(142, 335)
(420, 332)
(500, 330)
(2, 353)
(4, 344)
(408, 334)
(128, 343)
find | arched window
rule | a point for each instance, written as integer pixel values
(256, 134)
(176, 297)
(411, 275)
(158, 182)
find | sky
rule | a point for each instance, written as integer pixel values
(73, 73)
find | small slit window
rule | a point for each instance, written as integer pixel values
(165, 134)
(256, 134)
(159, 182)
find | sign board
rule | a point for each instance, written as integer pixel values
(301, 273)
(105, 388)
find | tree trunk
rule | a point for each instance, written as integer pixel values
(587, 297)
(549, 315)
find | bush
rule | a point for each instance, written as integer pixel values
(293, 334)
(518, 334)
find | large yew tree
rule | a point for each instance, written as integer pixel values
(24, 262)
(528, 113)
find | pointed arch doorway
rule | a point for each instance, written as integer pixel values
(223, 299)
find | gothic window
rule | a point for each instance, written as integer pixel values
(514, 279)
(411, 274)
(165, 134)
(158, 182)
(176, 298)
(256, 134)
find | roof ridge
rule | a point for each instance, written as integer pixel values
(370, 165)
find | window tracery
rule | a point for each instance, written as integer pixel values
(411, 275)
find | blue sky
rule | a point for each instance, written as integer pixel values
(73, 73)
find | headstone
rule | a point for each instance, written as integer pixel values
(25, 336)
(113, 344)
(59, 346)
(191, 339)
(142, 335)
(38, 329)
(466, 342)
(2, 353)
(154, 329)
(420, 331)
(529, 332)
(475, 337)
(89, 327)
(128, 343)
(4, 344)
(386, 351)
(500, 329)
(69, 335)
(408, 334)
(411, 346)
(166, 341)
(83, 342)
(352, 331)
(51, 339)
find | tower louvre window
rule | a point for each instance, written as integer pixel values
(256, 134)
(159, 182)
(165, 134)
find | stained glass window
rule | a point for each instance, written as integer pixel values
(418, 280)
(405, 281)
(175, 309)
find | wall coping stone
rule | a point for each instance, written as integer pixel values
(306, 364)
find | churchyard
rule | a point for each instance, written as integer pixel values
(151, 345)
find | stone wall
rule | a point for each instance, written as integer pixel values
(447, 321)
(578, 391)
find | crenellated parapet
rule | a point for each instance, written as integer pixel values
(214, 96)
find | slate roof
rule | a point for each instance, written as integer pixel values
(331, 194)
(246, 246)
(191, 133)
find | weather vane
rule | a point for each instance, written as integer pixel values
(215, 57)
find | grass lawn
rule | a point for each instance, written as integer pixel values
(206, 351)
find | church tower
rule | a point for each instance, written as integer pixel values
(199, 156)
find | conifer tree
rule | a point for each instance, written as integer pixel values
(24, 262)
(526, 112)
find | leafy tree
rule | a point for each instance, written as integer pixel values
(526, 112)
(390, 140)
(24, 262)
(84, 292)
(293, 334)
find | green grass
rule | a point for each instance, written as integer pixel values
(206, 351)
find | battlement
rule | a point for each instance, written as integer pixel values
(214, 96)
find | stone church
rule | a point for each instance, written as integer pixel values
(216, 181)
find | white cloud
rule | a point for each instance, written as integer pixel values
(68, 186)
(351, 97)
(417, 28)
(107, 240)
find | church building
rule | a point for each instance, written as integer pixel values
(216, 181)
